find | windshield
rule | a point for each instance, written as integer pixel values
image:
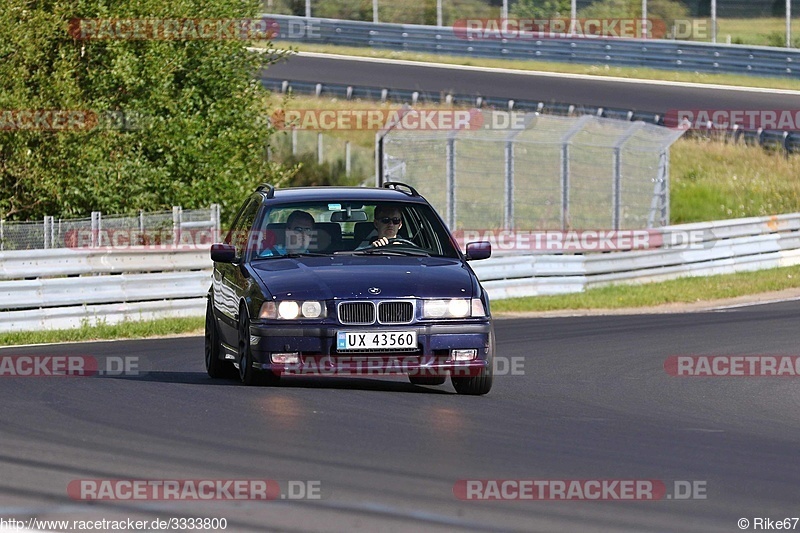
(352, 228)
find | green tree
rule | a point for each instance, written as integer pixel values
(186, 122)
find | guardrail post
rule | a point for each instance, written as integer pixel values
(294, 141)
(2, 234)
(177, 218)
(319, 148)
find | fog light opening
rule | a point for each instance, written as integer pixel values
(291, 358)
(463, 355)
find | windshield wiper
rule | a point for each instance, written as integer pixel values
(305, 254)
(384, 250)
(292, 255)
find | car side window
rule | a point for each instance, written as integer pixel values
(240, 230)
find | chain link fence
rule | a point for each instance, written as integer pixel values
(163, 227)
(551, 172)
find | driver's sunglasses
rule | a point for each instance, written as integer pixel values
(394, 220)
(300, 229)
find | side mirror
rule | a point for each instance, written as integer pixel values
(223, 253)
(479, 250)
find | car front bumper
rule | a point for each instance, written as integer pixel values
(316, 348)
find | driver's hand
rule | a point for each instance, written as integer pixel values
(383, 241)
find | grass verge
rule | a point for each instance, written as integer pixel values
(123, 330)
(545, 66)
(681, 290)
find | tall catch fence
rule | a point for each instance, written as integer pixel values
(551, 172)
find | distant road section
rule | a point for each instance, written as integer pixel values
(639, 95)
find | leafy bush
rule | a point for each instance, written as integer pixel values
(196, 137)
(307, 172)
(538, 9)
(666, 10)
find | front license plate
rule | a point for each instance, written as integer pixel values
(375, 340)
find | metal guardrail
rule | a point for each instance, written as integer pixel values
(64, 288)
(788, 140)
(658, 54)
(726, 247)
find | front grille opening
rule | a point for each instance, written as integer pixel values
(357, 313)
(395, 312)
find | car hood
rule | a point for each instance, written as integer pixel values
(343, 277)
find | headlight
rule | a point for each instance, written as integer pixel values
(288, 310)
(455, 308)
(291, 310)
(311, 309)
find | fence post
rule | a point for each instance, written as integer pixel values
(508, 215)
(294, 141)
(2, 235)
(319, 148)
(49, 232)
(347, 166)
(664, 180)
(566, 140)
(177, 218)
(617, 185)
(215, 218)
(714, 21)
(97, 227)
(450, 181)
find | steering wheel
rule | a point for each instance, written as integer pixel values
(398, 240)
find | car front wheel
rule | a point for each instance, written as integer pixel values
(216, 367)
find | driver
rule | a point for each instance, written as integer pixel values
(388, 221)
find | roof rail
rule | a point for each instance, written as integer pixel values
(396, 184)
(270, 189)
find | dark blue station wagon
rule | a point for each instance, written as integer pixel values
(330, 281)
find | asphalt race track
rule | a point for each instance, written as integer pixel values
(639, 96)
(593, 402)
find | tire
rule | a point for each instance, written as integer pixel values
(482, 383)
(433, 380)
(217, 368)
(247, 374)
